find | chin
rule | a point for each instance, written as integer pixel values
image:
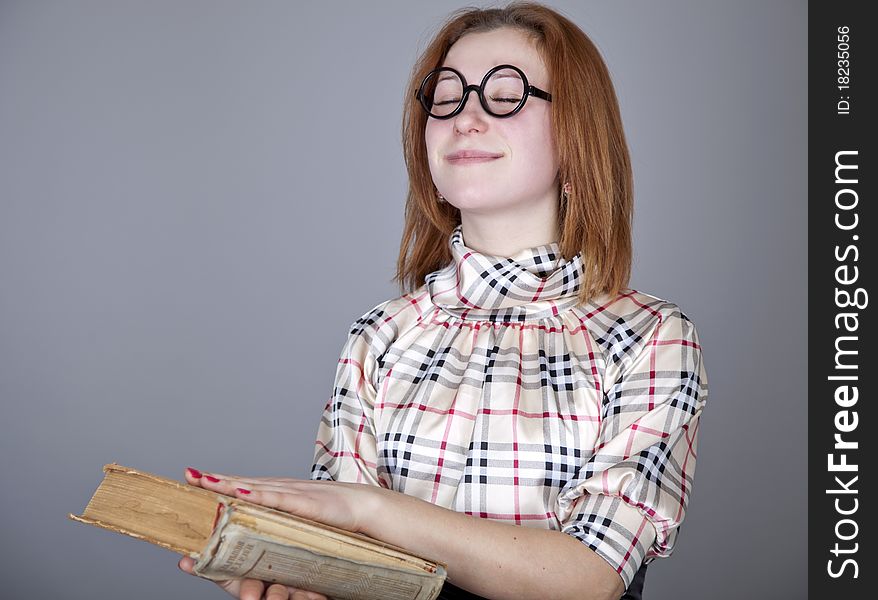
(481, 203)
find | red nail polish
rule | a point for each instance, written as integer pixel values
(211, 479)
(243, 491)
(194, 472)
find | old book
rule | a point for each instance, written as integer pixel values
(231, 538)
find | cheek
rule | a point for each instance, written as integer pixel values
(536, 148)
(546, 142)
(432, 135)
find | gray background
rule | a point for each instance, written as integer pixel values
(193, 211)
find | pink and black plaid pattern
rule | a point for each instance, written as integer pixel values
(491, 391)
(535, 283)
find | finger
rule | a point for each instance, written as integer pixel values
(299, 486)
(251, 589)
(224, 484)
(219, 485)
(293, 502)
(217, 482)
(193, 476)
(274, 481)
(232, 586)
(304, 595)
(187, 565)
(228, 485)
(280, 489)
(212, 480)
(277, 592)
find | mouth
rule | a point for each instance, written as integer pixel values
(465, 157)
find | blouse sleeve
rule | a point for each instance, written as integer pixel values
(345, 449)
(627, 501)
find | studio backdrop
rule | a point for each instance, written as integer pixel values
(194, 210)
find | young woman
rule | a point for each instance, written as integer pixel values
(520, 414)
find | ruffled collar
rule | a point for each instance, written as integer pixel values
(535, 283)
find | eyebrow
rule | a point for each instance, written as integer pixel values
(500, 74)
(512, 74)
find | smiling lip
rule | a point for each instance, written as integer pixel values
(465, 157)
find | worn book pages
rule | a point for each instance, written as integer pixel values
(231, 538)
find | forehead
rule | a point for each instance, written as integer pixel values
(475, 53)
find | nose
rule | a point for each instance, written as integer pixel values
(473, 118)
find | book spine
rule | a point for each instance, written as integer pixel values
(235, 551)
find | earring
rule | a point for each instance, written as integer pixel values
(565, 191)
(440, 197)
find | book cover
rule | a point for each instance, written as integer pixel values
(230, 538)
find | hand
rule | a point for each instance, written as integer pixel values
(252, 589)
(347, 506)
(342, 505)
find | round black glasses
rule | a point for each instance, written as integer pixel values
(502, 93)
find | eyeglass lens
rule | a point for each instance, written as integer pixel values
(503, 92)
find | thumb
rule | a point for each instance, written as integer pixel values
(187, 565)
(232, 586)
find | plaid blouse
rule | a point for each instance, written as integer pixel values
(490, 391)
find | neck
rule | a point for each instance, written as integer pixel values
(513, 230)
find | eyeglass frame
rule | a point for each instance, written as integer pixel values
(529, 90)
